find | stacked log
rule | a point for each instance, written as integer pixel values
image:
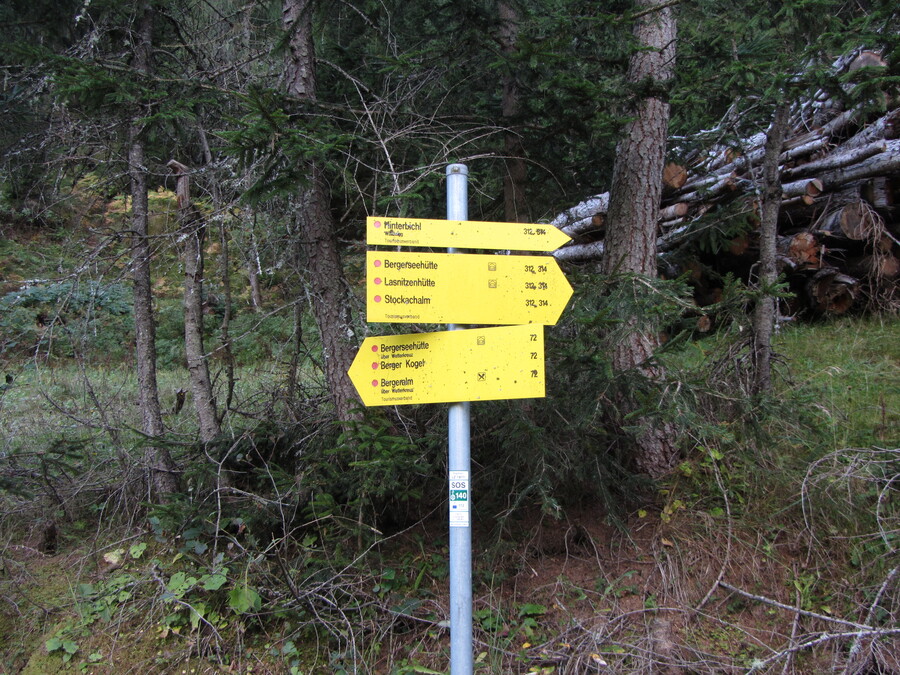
(839, 223)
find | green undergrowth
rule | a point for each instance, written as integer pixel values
(345, 569)
(300, 546)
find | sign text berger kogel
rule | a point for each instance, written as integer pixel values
(477, 364)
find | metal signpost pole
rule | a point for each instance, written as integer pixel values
(459, 485)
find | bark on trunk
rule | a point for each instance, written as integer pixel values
(253, 270)
(771, 191)
(634, 211)
(193, 233)
(637, 172)
(514, 205)
(298, 351)
(255, 291)
(328, 288)
(162, 469)
(225, 328)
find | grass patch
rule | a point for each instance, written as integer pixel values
(850, 371)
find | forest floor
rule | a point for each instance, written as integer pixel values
(701, 593)
(777, 571)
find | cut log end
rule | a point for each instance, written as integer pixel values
(831, 292)
(867, 59)
(880, 267)
(739, 245)
(805, 250)
(856, 220)
(674, 176)
(814, 188)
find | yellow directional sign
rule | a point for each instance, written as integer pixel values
(463, 234)
(467, 289)
(478, 364)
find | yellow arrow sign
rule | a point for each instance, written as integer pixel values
(478, 364)
(468, 289)
(463, 234)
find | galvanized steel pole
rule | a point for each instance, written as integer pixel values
(458, 466)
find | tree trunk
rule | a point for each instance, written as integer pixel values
(253, 270)
(225, 328)
(163, 472)
(328, 288)
(193, 232)
(292, 387)
(255, 291)
(514, 205)
(227, 355)
(764, 313)
(634, 209)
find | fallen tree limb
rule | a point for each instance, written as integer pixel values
(881, 164)
(811, 187)
(820, 639)
(837, 160)
(569, 218)
(805, 612)
(857, 641)
(580, 252)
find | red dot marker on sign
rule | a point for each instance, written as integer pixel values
(374, 348)
(375, 366)
(377, 263)
(374, 383)
(377, 298)
(377, 280)
(377, 223)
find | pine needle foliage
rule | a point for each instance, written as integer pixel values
(734, 57)
(574, 446)
(278, 138)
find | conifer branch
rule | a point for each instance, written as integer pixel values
(656, 8)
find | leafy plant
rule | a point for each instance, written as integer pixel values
(65, 646)
(489, 619)
(529, 614)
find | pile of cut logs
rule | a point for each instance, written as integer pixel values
(839, 223)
